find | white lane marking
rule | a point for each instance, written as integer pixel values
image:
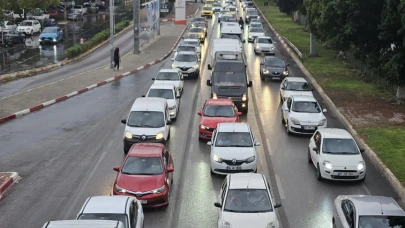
(110, 144)
(366, 189)
(269, 147)
(83, 187)
(280, 188)
(92, 86)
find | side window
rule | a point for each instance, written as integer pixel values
(166, 159)
(214, 136)
(131, 216)
(224, 188)
(318, 140)
(348, 213)
(289, 102)
(135, 216)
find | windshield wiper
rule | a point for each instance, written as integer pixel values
(147, 125)
(146, 174)
(127, 173)
(234, 145)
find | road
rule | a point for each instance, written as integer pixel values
(66, 153)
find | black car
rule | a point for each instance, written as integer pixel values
(12, 37)
(273, 68)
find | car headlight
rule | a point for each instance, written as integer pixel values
(244, 98)
(258, 17)
(54, 39)
(159, 190)
(265, 71)
(285, 72)
(250, 159)
(360, 166)
(173, 107)
(257, 46)
(327, 165)
(247, 17)
(174, 66)
(217, 158)
(214, 96)
(226, 225)
(119, 189)
(271, 225)
(159, 135)
(250, 37)
(204, 127)
(128, 135)
(322, 122)
(196, 66)
(295, 121)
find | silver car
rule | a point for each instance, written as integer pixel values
(253, 33)
(196, 43)
(364, 211)
(184, 47)
(264, 45)
(75, 15)
(188, 63)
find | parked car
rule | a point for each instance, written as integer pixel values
(75, 15)
(12, 37)
(59, 9)
(39, 14)
(81, 8)
(51, 35)
(8, 25)
(91, 7)
(29, 27)
(50, 23)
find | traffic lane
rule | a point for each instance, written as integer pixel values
(291, 152)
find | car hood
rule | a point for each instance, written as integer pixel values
(239, 153)
(289, 93)
(275, 69)
(184, 64)
(140, 183)
(212, 122)
(256, 34)
(171, 102)
(308, 118)
(48, 35)
(168, 82)
(243, 220)
(265, 45)
(343, 160)
(144, 130)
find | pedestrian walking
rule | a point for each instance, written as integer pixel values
(117, 59)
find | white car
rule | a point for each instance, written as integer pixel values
(246, 201)
(81, 8)
(336, 155)
(233, 149)
(253, 33)
(196, 43)
(232, 8)
(184, 47)
(8, 26)
(29, 27)
(188, 63)
(294, 86)
(302, 115)
(171, 77)
(264, 45)
(256, 25)
(168, 92)
(216, 7)
(125, 209)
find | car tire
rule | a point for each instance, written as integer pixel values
(282, 119)
(318, 173)
(288, 129)
(309, 157)
(364, 178)
(212, 173)
(245, 111)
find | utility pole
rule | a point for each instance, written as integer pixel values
(158, 20)
(111, 33)
(136, 6)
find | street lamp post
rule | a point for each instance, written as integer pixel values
(136, 7)
(112, 33)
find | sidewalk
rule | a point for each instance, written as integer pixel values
(152, 51)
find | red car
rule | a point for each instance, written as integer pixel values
(216, 111)
(147, 174)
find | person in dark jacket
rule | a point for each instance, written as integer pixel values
(241, 23)
(117, 59)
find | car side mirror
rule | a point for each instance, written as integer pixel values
(218, 205)
(282, 88)
(209, 83)
(199, 113)
(239, 113)
(243, 41)
(315, 149)
(362, 150)
(143, 96)
(178, 97)
(324, 110)
(169, 122)
(257, 144)
(124, 121)
(169, 170)
(172, 59)
(116, 168)
(277, 205)
(250, 84)
(209, 67)
(153, 79)
(209, 143)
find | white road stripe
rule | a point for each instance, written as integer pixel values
(110, 144)
(280, 188)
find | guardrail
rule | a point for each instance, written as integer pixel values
(296, 50)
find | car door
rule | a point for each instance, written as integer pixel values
(137, 218)
(282, 87)
(286, 109)
(316, 142)
(349, 214)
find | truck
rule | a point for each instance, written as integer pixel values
(225, 45)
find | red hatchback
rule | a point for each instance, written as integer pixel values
(216, 111)
(147, 174)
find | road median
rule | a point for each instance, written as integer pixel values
(7, 180)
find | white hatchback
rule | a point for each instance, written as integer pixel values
(168, 92)
(245, 200)
(294, 86)
(233, 149)
(264, 45)
(253, 33)
(336, 155)
(302, 115)
(171, 77)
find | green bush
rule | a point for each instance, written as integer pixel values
(103, 35)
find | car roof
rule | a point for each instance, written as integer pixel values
(149, 104)
(233, 127)
(186, 53)
(220, 101)
(162, 86)
(83, 224)
(187, 45)
(335, 133)
(188, 40)
(247, 180)
(106, 204)
(375, 205)
(146, 150)
(170, 70)
(251, 23)
(296, 79)
(303, 98)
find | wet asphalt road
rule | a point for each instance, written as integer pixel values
(66, 153)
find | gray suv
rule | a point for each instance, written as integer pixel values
(188, 64)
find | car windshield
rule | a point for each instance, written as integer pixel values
(197, 30)
(252, 13)
(216, 5)
(248, 201)
(199, 19)
(231, 36)
(264, 41)
(223, 17)
(228, 79)
(230, 19)
(256, 25)
(146, 119)
(195, 43)
(382, 221)
(168, 76)
(306, 107)
(192, 36)
(219, 111)
(186, 48)
(274, 62)
(198, 24)
(26, 23)
(256, 30)
(49, 30)
(142, 166)
(99, 216)
(207, 8)
(297, 86)
(162, 93)
(186, 58)
(232, 9)
(339, 146)
(233, 139)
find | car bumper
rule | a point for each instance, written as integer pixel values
(152, 200)
(48, 41)
(274, 76)
(204, 134)
(129, 142)
(190, 73)
(173, 113)
(225, 169)
(265, 51)
(345, 175)
(304, 129)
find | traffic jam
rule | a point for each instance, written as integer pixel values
(146, 175)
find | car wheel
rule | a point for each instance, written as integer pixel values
(318, 173)
(364, 178)
(309, 157)
(212, 173)
(288, 129)
(282, 119)
(245, 111)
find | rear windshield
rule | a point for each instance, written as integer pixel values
(256, 30)
(382, 221)
(264, 40)
(196, 30)
(186, 58)
(168, 76)
(186, 48)
(114, 217)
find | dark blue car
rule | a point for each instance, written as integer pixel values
(51, 35)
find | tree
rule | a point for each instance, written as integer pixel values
(288, 6)
(314, 9)
(28, 5)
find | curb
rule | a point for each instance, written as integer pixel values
(394, 182)
(8, 183)
(72, 94)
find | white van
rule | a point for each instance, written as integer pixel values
(83, 224)
(148, 121)
(225, 45)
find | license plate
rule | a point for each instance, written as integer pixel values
(276, 77)
(185, 75)
(309, 128)
(345, 174)
(233, 168)
(144, 201)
